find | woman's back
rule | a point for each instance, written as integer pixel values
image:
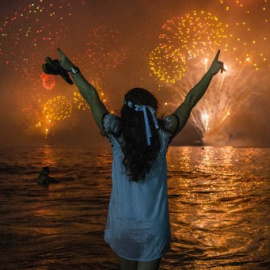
(138, 222)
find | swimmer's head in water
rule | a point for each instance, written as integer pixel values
(46, 170)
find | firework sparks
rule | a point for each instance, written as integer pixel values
(80, 103)
(105, 50)
(48, 81)
(182, 39)
(58, 108)
(227, 92)
(243, 19)
(29, 29)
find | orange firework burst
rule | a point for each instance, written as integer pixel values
(57, 108)
(182, 39)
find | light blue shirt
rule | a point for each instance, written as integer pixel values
(138, 226)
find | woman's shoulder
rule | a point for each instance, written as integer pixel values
(167, 132)
(166, 124)
(111, 123)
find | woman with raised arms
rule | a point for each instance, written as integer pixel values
(138, 226)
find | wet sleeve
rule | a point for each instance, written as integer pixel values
(170, 133)
(110, 124)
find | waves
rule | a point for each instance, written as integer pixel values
(219, 204)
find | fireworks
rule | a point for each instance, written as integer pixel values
(240, 29)
(25, 33)
(193, 34)
(62, 107)
(226, 94)
(48, 81)
(248, 23)
(58, 108)
(80, 103)
(167, 66)
(105, 49)
(186, 43)
(182, 39)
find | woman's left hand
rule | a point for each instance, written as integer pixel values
(216, 65)
(64, 61)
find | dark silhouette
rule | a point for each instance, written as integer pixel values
(44, 179)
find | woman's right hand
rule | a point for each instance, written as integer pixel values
(64, 61)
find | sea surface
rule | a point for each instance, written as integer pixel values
(219, 200)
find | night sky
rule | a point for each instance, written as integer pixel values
(164, 46)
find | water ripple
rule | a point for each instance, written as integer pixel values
(219, 204)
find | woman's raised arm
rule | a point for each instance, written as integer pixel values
(89, 93)
(182, 113)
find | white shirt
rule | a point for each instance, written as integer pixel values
(138, 226)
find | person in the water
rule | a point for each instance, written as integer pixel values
(44, 179)
(138, 226)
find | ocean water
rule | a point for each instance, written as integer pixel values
(219, 200)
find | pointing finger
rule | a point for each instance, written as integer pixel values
(217, 55)
(61, 53)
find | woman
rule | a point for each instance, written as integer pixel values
(138, 227)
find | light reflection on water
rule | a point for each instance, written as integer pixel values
(220, 215)
(219, 203)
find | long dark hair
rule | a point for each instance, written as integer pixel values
(138, 155)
